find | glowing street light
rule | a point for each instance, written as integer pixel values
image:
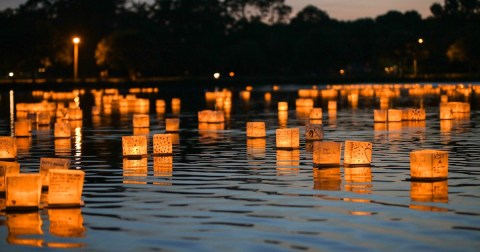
(420, 41)
(76, 41)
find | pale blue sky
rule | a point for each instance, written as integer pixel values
(338, 9)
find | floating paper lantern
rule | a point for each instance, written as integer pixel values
(23, 128)
(358, 179)
(446, 112)
(216, 117)
(327, 179)
(267, 97)
(141, 121)
(172, 124)
(316, 114)
(8, 147)
(314, 132)
(288, 138)
(332, 105)
(303, 102)
(43, 118)
(75, 114)
(282, 106)
(65, 187)
(134, 146)
(357, 153)
(431, 191)
(394, 115)
(23, 227)
(429, 164)
(327, 153)
(384, 102)
(160, 106)
(256, 148)
(256, 129)
(23, 191)
(47, 164)
(379, 115)
(412, 114)
(162, 144)
(444, 98)
(7, 169)
(62, 130)
(66, 222)
(459, 107)
(203, 116)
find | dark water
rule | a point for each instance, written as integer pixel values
(224, 192)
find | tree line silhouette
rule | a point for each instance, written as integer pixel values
(249, 37)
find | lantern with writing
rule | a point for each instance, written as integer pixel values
(66, 222)
(316, 114)
(327, 179)
(52, 163)
(23, 128)
(66, 187)
(314, 132)
(172, 124)
(357, 153)
(23, 191)
(379, 115)
(141, 121)
(327, 153)
(134, 146)
(256, 129)
(288, 138)
(429, 191)
(282, 106)
(162, 144)
(8, 147)
(394, 115)
(62, 130)
(411, 114)
(7, 169)
(429, 164)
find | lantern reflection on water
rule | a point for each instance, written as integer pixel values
(7, 169)
(316, 114)
(160, 106)
(62, 130)
(429, 164)
(141, 131)
(172, 124)
(429, 191)
(134, 170)
(66, 222)
(411, 114)
(8, 147)
(162, 144)
(394, 115)
(163, 167)
(288, 162)
(23, 191)
(379, 115)
(332, 105)
(52, 163)
(327, 179)
(65, 187)
(313, 132)
(357, 153)
(22, 227)
(327, 153)
(358, 179)
(75, 114)
(256, 129)
(288, 138)
(256, 148)
(282, 119)
(134, 146)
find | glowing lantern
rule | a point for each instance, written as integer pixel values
(141, 121)
(66, 222)
(431, 191)
(327, 153)
(302, 102)
(176, 104)
(268, 97)
(172, 124)
(394, 115)
(47, 164)
(23, 191)
(379, 115)
(245, 95)
(23, 128)
(459, 107)
(327, 179)
(412, 114)
(66, 187)
(444, 98)
(75, 114)
(357, 153)
(313, 132)
(8, 147)
(316, 114)
(62, 130)
(384, 102)
(429, 164)
(162, 144)
(256, 129)
(203, 115)
(288, 138)
(282, 106)
(216, 117)
(43, 118)
(22, 227)
(160, 106)
(446, 112)
(134, 146)
(332, 105)
(7, 169)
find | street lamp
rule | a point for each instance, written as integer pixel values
(76, 41)
(420, 41)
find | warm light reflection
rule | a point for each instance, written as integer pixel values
(23, 227)
(327, 179)
(256, 148)
(135, 170)
(12, 112)
(288, 162)
(358, 179)
(63, 146)
(282, 119)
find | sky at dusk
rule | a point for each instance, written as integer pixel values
(338, 9)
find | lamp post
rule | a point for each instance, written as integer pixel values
(420, 41)
(76, 41)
